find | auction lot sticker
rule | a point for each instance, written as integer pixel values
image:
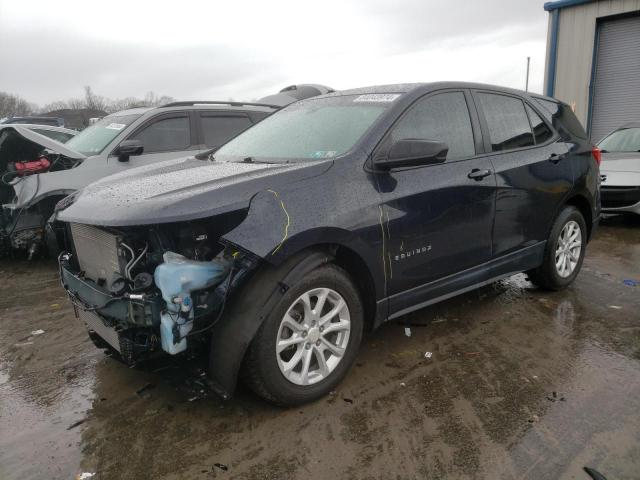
(115, 126)
(377, 97)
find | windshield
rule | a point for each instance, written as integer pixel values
(94, 139)
(623, 140)
(313, 129)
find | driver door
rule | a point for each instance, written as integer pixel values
(439, 217)
(164, 137)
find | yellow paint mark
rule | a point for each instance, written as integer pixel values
(384, 249)
(286, 227)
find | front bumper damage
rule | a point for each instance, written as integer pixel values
(172, 316)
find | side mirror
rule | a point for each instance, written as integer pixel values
(413, 152)
(129, 148)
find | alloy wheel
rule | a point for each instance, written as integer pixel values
(568, 249)
(313, 336)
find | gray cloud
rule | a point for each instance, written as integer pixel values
(43, 62)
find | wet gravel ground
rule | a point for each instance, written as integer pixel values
(521, 384)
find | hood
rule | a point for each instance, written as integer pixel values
(620, 162)
(45, 142)
(181, 190)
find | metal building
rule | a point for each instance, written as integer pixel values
(593, 61)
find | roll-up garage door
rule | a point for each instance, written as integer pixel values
(616, 93)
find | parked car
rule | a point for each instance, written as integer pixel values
(21, 146)
(620, 170)
(124, 140)
(333, 215)
(51, 121)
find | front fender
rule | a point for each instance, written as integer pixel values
(231, 337)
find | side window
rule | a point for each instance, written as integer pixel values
(165, 135)
(219, 129)
(443, 117)
(541, 132)
(507, 121)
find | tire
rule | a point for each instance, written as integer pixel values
(550, 276)
(264, 367)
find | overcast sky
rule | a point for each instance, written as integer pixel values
(247, 49)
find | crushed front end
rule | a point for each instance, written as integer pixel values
(145, 291)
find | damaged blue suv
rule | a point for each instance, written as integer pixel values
(332, 216)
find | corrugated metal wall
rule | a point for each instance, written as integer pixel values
(616, 92)
(575, 49)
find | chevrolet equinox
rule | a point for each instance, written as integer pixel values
(275, 252)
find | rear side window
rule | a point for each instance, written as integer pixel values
(443, 117)
(541, 131)
(507, 122)
(219, 129)
(165, 135)
(562, 119)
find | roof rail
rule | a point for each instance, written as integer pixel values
(206, 102)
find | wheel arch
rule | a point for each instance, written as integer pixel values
(231, 337)
(583, 205)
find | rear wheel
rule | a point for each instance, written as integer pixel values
(308, 341)
(564, 252)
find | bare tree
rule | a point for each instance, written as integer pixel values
(13, 105)
(93, 101)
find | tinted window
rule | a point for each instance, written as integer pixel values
(562, 119)
(507, 121)
(219, 129)
(443, 117)
(165, 135)
(541, 132)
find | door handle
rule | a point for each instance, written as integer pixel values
(555, 158)
(478, 174)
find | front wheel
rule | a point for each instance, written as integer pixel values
(564, 252)
(308, 341)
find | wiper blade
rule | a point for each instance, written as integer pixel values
(253, 160)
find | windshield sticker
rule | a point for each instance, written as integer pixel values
(377, 97)
(115, 126)
(323, 154)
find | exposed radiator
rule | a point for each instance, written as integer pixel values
(97, 252)
(94, 323)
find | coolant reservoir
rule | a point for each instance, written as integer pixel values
(176, 278)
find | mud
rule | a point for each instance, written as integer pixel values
(521, 384)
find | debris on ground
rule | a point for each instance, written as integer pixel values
(348, 400)
(534, 418)
(428, 355)
(37, 332)
(471, 354)
(23, 344)
(594, 474)
(439, 320)
(402, 384)
(407, 331)
(74, 425)
(221, 466)
(631, 282)
(84, 475)
(144, 388)
(55, 305)
(615, 307)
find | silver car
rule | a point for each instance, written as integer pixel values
(620, 170)
(121, 141)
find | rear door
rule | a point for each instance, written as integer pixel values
(218, 127)
(532, 166)
(438, 217)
